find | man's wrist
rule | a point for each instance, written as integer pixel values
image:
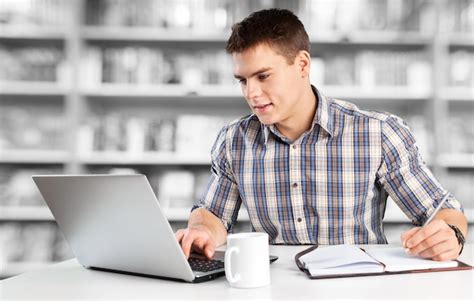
(201, 227)
(460, 237)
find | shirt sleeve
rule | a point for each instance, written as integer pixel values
(221, 197)
(404, 175)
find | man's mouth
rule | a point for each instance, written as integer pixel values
(262, 106)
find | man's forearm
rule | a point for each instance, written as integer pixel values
(454, 217)
(202, 218)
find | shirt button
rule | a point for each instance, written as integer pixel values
(295, 184)
(294, 146)
(299, 219)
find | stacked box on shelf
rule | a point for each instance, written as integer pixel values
(136, 136)
(460, 125)
(370, 15)
(17, 187)
(462, 68)
(194, 16)
(32, 12)
(32, 242)
(37, 64)
(369, 69)
(458, 16)
(31, 126)
(154, 66)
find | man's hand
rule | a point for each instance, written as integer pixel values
(436, 241)
(196, 239)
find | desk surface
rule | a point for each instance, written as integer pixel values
(69, 280)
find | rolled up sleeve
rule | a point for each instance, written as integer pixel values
(404, 175)
(222, 195)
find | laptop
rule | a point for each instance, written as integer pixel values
(115, 223)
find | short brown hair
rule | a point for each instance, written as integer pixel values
(278, 28)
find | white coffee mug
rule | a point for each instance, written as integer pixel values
(247, 262)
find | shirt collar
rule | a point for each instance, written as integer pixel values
(322, 117)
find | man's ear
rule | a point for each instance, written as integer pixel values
(303, 61)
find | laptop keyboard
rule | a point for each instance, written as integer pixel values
(205, 265)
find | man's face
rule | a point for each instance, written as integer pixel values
(270, 85)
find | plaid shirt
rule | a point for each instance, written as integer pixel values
(330, 185)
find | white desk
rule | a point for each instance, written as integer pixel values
(69, 280)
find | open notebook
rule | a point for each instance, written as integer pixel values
(350, 260)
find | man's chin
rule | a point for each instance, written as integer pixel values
(265, 120)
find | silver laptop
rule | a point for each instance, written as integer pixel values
(114, 223)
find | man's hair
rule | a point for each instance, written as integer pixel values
(278, 28)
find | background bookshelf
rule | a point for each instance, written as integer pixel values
(113, 86)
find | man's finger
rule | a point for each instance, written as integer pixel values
(179, 235)
(187, 242)
(209, 249)
(406, 235)
(435, 250)
(199, 244)
(423, 233)
(450, 255)
(428, 243)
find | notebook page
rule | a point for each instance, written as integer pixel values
(395, 259)
(342, 256)
(353, 268)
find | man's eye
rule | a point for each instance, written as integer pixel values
(262, 76)
(242, 81)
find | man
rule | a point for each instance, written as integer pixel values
(311, 169)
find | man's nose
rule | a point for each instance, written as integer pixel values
(252, 90)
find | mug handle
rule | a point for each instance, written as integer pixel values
(227, 268)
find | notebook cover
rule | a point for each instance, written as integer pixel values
(299, 264)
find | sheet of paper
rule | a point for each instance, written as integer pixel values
(353, 268)
(336, 256)
(395, 259)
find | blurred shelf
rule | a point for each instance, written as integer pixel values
(456, 160)
(458, 94)
(461, 39)
(32, 88)
(22, 213)
(389, 38)
(34, 156)
(31, 32)
(150, 158)
(41, 213)
(182, 214)
(402, 93)
(149, 34)
(10, 269)
(233, 91)
(153, 91)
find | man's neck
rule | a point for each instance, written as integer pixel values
(301, 119)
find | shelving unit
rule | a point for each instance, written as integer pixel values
(161, 91)
(27, 32)
(164, 91)
(156, 158)
(32, 89)
(35, 156)
(79, 101)
(41, 213)
(25, 213)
